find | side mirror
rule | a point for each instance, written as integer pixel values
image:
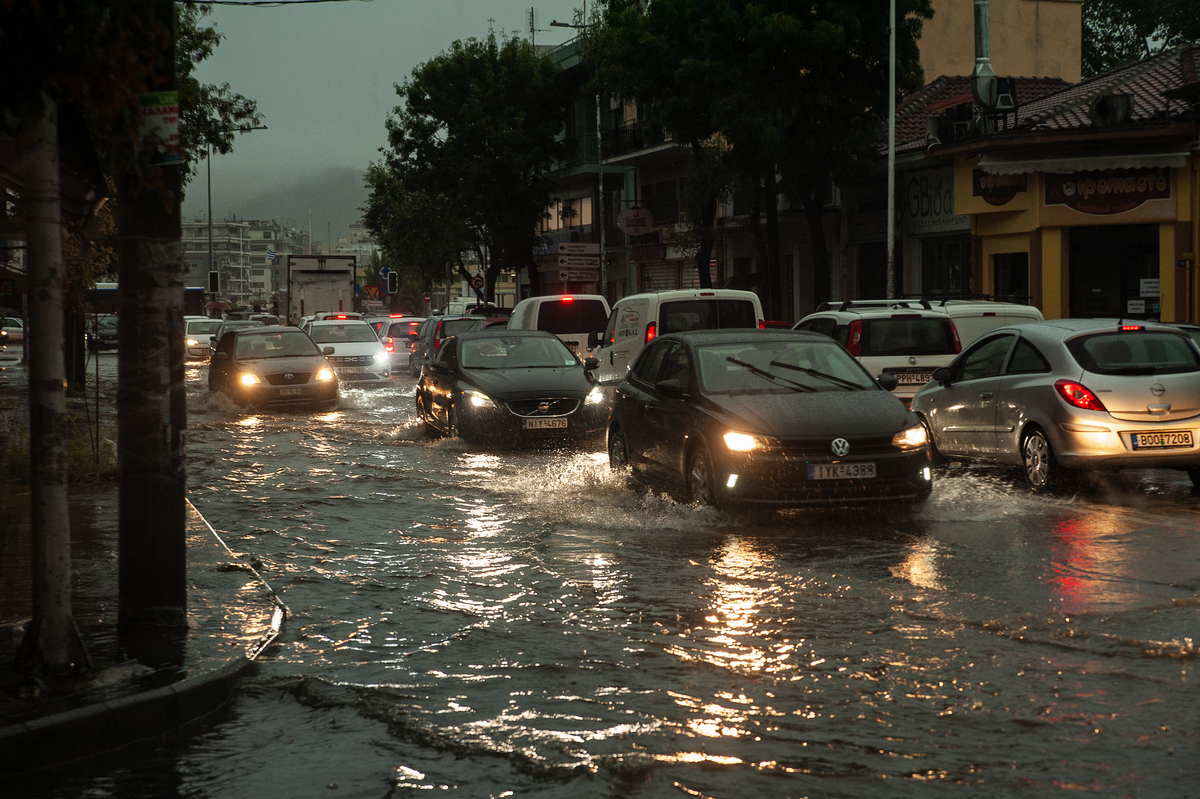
(887, 382)
(439, 367)
(590, 363)
(327, 350)
(942, 375)
(220, 356)
(594, 339)
(670, 388)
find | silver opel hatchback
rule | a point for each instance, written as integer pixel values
(1069, 394)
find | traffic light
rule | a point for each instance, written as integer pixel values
(214, 282)
(393, 283)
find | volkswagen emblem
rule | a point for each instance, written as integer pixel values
(912, 360)
(840, 447)
(288, 376)
(1157, 390)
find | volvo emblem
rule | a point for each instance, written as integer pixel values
(543, 407)
(912, 360)
(1157, 390)
(288, 376)
(840, 447)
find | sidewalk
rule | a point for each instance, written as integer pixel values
(233, 616)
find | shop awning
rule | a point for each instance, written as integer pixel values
(1016, 164)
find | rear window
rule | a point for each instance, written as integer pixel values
(576, 316)
(705, 315)
(1135, 353)
(453, 326)
(907, 336)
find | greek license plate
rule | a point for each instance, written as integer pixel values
(290, 392)
(913, 378)
(840, 471)
(544, 424)
(1168, 439)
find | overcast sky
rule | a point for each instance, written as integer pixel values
(324, 77)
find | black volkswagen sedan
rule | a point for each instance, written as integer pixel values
(273, 366)
(767, 420)
(510, 387)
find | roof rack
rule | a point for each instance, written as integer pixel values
(942, 299)
(847, 304)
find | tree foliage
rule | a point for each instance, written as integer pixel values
(1120, 32)
(796, 95)
(469, 150)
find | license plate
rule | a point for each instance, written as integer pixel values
(913, 378)
(351, 370)
(1167, 439)
(290, 392)
(840, 471)
(543, 424)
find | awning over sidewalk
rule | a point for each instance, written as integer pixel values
(1174, 156)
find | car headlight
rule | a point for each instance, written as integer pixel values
(250, 379)
(191, 342)
(743, 442)
(325, 374)
(381, 357)
(912, 438)
(478, 399)
(595, 396)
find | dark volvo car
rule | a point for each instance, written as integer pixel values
(510, 387)
(767, 420)
(272, 367)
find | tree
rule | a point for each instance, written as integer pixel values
(1120, 32)
(469, 152)
(797, 96)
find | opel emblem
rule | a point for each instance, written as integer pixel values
(543, 407)
(288, 375)
(1157, 389)
(912, 360)
(840, 447)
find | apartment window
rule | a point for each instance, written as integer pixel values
(662, 201)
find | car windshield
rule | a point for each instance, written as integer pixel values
(209, 326)
(908, 335)
(515, 352)
(284, 344)
(768, 366)
(342, 334)
(240, 324)
(1138, 352)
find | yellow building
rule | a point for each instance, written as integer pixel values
(1088, 202)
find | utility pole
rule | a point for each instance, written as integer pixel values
(151, 409)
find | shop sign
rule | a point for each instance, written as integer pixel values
(635, 221)
(1112, 191)
(997, 189)
(1149, 287)
(929, 203)
(648, 252)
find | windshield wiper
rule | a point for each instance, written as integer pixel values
(769, 376)
(837, 381)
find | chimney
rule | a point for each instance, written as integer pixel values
(983, 79)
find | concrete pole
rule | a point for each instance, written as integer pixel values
(49, 638)
(891, 167)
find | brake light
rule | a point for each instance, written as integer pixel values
(566, 299)
(340, 316)
(957, 341)
(649, 332)
(396, 316)
(389, 345)
(1078, 395)
(762, 325)
(854, 342)
(1131, 328)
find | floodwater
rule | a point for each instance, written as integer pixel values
(496, 624)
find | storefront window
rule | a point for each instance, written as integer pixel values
(1012, 277)
(946, 265)
(1114, 271)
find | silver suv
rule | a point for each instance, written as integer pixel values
(905, 338)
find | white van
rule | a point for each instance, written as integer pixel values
(635, 321)
(973, 318)
(571, 317)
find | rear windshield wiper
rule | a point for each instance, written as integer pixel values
(837, 381)
(770, 376)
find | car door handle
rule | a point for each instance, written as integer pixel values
(610, 359)
(987, 395)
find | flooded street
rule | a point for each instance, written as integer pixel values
(493, 624)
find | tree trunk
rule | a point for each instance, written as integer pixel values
(151, 409)
(49, 640)
(814, 213)
(771, 201)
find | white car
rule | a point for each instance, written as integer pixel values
(910, 338)
(358, 356)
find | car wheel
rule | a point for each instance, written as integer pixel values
(1040, 468)
(618, 450)
(413, 371)
(700, 479)
(452, 429)
(1194, 474)
(935, 456)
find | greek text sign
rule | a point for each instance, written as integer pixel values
(997, 189)
(1113, 191)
